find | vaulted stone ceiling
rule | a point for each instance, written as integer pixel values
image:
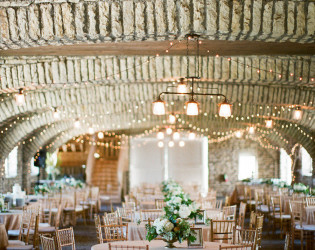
(97, 61)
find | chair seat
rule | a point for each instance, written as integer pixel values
(283, 216)
(16, 242)
(18, 247)
(44, 225)
(305, 227)
(72, 209)
(14, 233)
(46, 229)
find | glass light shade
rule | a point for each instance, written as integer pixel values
(297, 113)
(238, 134)
(20, 98)
(171, 144)
(172, 119)
(191, 136)
(160, 144)
(160, 135)
(182, 88)
(225, 109)
(159, 107)
(77, 124)
(56, 114)
(100, 135)
(181, 144)
(91, 130)
(176, 136)
(269, 123)
(192, 107)
(251, 130)
(169, 131)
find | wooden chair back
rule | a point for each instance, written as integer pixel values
(296, 209)
(227, 201)
(110, 247)
(129, 205)
(113, 232)
(239, 247)
(127, 214)
(229, 212)
(97, 221)
(159, 203)
(218, 204)
(146, 214)
(221, 230)
(65, 237)
(25, 226)
(310, 201)
(112, 219)
(241, 215)
(244, 236)
(47, 243)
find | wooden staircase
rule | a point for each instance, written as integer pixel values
(105, 177)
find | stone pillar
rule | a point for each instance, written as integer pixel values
(297, 165)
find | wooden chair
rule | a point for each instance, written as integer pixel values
(209, 203)
(279, 217)
(244, 237)
(47, 243)
(110, 246)
(108, 233)
(229, 212)
(51, 229)
(129, 205)
(240, 247)
(297, 225)
(221, 230)
(65, 237)
(159, 204)
(97, 221)
(310, 201)
(227, 201)
(126, 214)
(146, 214)
(241, 215)
(112, 219)
(218, 204)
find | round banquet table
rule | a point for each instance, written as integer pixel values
(11, 220)
(3, 237)
(158, 245)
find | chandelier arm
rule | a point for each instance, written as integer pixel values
(200, 94)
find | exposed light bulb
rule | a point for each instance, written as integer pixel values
(160, 135)
(181, 144)
(251, 130)
(96, 155)
(176, 136)
(297, 113)
(225, 109)
(172, 119)
(159, 107)
(169, 131)
(171, 144)
(56, 114)
(20, 98)
(269, 123)
(77, 123)
(192, 107)
(160, 144)
(100, 135)
(181, 87)
(91, 130)
(191, 136)
(238, 134)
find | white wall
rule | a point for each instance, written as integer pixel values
(188, 164)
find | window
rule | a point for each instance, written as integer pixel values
(10, 164)
(247, 166)
(306, 163)
(34, 170)
(285, 167)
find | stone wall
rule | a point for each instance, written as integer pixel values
(223, 159)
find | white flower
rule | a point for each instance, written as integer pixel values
(175, 211)
(168, 226)
(175, 200)
(184, 211)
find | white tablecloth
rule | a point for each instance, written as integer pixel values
(157, 244)
(11, 220)
(310, 215)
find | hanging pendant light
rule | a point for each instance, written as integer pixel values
(297, 113)
(91, 130)
(77, 123)
(269, 123)
(238, 134)
(160, 144)
(191, 136)
(160, 135)
(251, 130)
(181, 144)
(169, 131)
(172, 119)
(20, 98)
(159, 107)
(100, 135)
(192, 107)
(181, 87)
(171, 144)
(225, 109)
(176, 136)
(56, 114)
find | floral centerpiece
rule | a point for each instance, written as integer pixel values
(42, 189)
(52, 165)
(173, 226)
(300, 188)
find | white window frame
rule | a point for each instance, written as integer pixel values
(34, 170)
(11, 164)
(242, 154)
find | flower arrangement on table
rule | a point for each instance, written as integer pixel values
(300, 188)
(173, 225)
